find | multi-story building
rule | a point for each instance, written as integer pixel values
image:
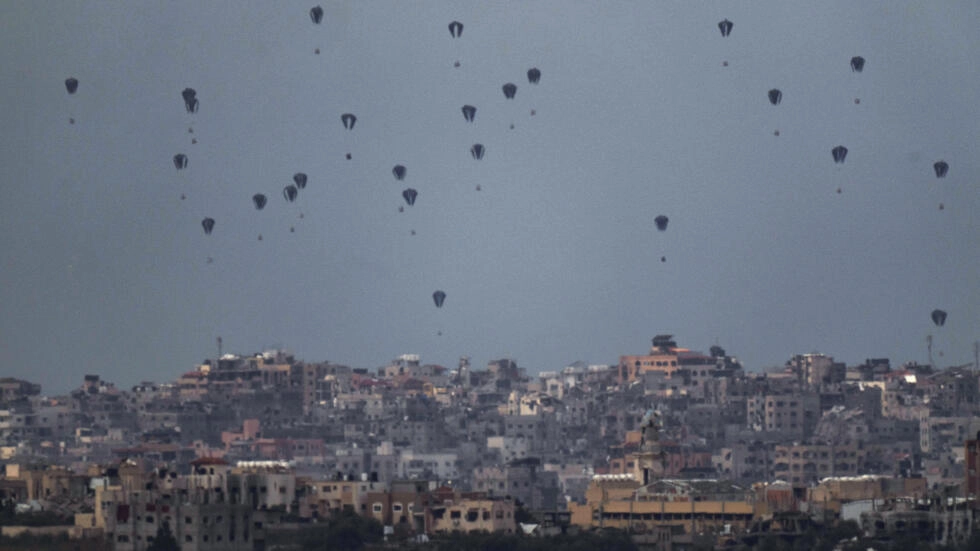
(972, 464)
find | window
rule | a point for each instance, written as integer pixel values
(376, 507)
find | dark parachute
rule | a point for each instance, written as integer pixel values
(661, 222)
(857, 64)
(775, 96)
(839, 153)
(941, 168)
(725, 27)
(939, 317)
(190, 100)
(456, 29)
(290, 192)
(348, 119)
(208, 225)
(300, 179)
(509, 90)
(316, 14)
(438, 297)
(533, 75)
(399, 172)
(71, 85)
(259, 201)
(469, 113)
(410, 195)
(477, 151)
(180, 161)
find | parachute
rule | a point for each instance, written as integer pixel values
(180, 161)
(775, 96)
(259, 201)
(456, 29)
(348, 119)
(939, 317)
(469, 113)
(857, 64)
(725, 27)
(71, 85)
(661, 222)
(399, 172)
(208, 225)
(438, 297)
(533, 75)
(190, 100)
(316, 14)
(509, 90)
(941, 168)
(477, 151)
(839, 153)
(410, 195)
(290, 192)
(300, 179)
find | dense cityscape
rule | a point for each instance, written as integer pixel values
(669, 448)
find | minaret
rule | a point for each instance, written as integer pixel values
(650, 459)
(464, 371)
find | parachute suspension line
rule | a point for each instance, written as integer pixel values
(929, 349)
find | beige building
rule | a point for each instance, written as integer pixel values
(472, 515)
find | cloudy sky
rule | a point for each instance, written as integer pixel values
(105, 269)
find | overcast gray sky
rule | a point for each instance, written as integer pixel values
(105, 269)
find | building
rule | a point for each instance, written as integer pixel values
(972, 458)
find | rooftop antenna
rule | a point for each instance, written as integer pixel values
(976, 355)
(219, 348)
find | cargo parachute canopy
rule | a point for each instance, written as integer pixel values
(71, 85)
(290, 192)
(348, 119)
(533, 75)
(409, 195)
(939, 317)
(456, 29)
(259, 201)
(438, 297)
(300, 179)
(190, 100)
(661, 222)
(839, 153)
(477, 151)
(399, 172)
(509, 90)
(180, 161)
(725, 27)
(316, 14)
(941, 168)
(775, 96)
(857, 64)
(208, 225)
(469, 113)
